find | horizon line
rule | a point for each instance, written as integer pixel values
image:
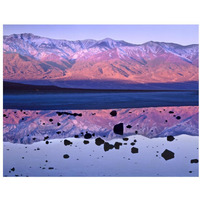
(103, 39)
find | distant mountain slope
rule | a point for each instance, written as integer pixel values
(28, 57)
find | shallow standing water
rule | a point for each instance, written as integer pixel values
(40, 159)
(63, 143)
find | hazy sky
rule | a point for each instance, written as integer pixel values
(136, 34)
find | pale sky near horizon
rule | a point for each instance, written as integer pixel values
(136, 34)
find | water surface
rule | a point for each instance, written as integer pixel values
(105, 100)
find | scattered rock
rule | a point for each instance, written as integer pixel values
(128, 126)
(13, 169)
(76, 136)
(67, 142)
(125, 139)
(58, 132)
(119, 129)
(67, 113)
(51, 168)
(134, 150)
(66, 156)
(178, 117)
(50, 120)
(58, 124)
(108, 146)
(117, 145)
(99, 141)
(171, 112)
(87, 136)
(167, 155)
(170, 138)
(86, 142)
(194, 161)
(113, 113)
(46, 137)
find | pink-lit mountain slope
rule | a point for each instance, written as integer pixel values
(29, 58)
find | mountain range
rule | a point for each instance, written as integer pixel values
(106, 63)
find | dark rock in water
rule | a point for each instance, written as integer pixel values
(93, 134)
(76, 136)
(87, 136)
(46, 137)
(34, 138)
(166, 121)
(99, 141)
(136, 132)
(113, 113)
(194, 161)
(125, 139)
(134, 150)
(67, 113)
(58, 124)
(86, 142)
(51, 168)
(67, 142)
(119, 129)
(135, 140)
(66, 156)
(128, 126)
(167, 155)
(58, 132)
(171, 112)
(178, 117)
(13, 169)
(4, 115)
(22, 119)
(93, 113)
(108, 146)
(170, 138)
(43, 123)
(117, 145)
(50, 120)
(132, 143)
